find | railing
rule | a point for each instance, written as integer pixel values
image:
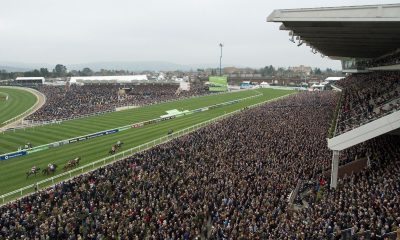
(349, 234)
(130, 124)
(366, 121)
(26, 112)
(120, 156)
(294, 193)
(32, 123)
(334, 123)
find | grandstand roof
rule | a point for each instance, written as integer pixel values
(29, 78)
(117, 79)
(367, 31)
(333, 78)
(42, 79)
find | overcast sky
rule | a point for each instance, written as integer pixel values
(178, 31)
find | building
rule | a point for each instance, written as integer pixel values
(365, 39)
(110, 79)
(301, 69)
(29, 80)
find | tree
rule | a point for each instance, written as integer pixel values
(44, 72)
(60, 70)
(34, 73)
(329, 70)
(87, 72)
(317, 71)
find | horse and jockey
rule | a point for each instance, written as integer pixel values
(33, 171)
(72, 163)
(115, 147)
(51, 168)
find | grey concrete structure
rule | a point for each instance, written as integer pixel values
(350, 34)
(344, 32)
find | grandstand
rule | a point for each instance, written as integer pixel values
(367, 41)
(109, 79)
(29, 81)
(310, 165)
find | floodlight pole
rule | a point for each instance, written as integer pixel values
(220, 60)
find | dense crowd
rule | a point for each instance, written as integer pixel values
(366, 97)
(75, 100)
(229, 180)
(366, 203)
(391, 59)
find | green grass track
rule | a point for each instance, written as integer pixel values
(12, 172)
(18, 102)
(10, 141)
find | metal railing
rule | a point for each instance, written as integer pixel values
(349, 234)
(365, 120)
(119, 156)
(32, 123)
(130, 124)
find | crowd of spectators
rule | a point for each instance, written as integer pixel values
(229, 180)
(75, 100)
(391, 59)
(366, 97)
(366, 203)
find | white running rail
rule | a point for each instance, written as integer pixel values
(119, 156)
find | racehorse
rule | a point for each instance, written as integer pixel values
(48, 170)
(32, 172)
(115, 147)
(72, 163)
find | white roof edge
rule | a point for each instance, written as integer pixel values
(383, 12)
(29, 78)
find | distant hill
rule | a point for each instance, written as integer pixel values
(111, 65)
(13, 69)
(131, 66)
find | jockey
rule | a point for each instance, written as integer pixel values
(33, 168)
(119, 143)
(50, 166)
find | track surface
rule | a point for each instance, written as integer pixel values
(19, 101)
(12, 172)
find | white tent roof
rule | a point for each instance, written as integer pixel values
(118, 79)
(29, 78)
(333, 78)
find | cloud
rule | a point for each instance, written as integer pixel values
(180, 31)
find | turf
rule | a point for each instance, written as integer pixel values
(12, 172)
(18, 102)
(10, 141)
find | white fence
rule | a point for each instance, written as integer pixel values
(32, 123)
(118, 156)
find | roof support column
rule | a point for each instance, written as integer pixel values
(335, 168)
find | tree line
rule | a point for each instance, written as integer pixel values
(58, 71)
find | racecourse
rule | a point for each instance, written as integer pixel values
(11, 141)
(12, 172)
(18, 102)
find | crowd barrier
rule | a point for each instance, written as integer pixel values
(23, 152)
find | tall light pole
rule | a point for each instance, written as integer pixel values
(220, 60)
